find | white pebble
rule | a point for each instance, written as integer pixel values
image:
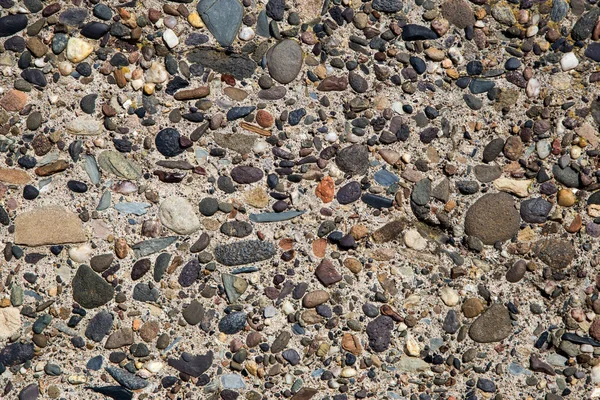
(81, 254)
(170, 38)
(449, 296)
(569, 61)
(246, 33)
(331, 137)
(414, 240)
(533, 88)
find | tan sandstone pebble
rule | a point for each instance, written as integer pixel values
(472, 307)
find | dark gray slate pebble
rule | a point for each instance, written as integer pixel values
(201, 244)
(143, 292)
(192, 365)
(493, 150)
(11, 24)
(88, 103)
(90, 290)
(73, 16)
(189, 273)
(208, 206)
(535, 211)
(102, 11)
(593, 51)
(473, 102)
(275, 9)
(240, 66)
(357, 82)
(349, 193)
(388, 6)
(585, 24)
(486, 385)
(291, 356)
(478, 86)
(421, 192)
(167, 142)
(160, 266)
(100, 263)
(245, 174)
(567, 176)
(451, 323)
(244, 252)
(127, 379)
(487, 173)
(232, 323)
(99, 326)
(16, 354)
(379, 332)
(417, 32)
(353, 160)
(94, 30)
(30, 392)
(114, 392)
(35, 77)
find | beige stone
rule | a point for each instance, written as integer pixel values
(78, 49)
(14, 176)
(10, 322)
(48, 225)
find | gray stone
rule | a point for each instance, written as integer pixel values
(353, 160)
(244, 252)
(90, 290)
(535, 211)
(223, 19)
(285, 61)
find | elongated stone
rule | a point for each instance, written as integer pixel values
(275, 217)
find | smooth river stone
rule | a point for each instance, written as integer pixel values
(285, 61)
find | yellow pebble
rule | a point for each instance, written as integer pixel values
(195, 20)
(566, 198)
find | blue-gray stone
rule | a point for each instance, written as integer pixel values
(535, 211)
(192, 365)
(136, 208)
(91, 167)
(127, 379)
(486, 385)
(95, 363)
(376, 201)
(275, 217)
(99, 326)
(35, 77)
(421, 192)
(167, 142)
(105, 201)
(59, 43)
(385, 177)
(239, 112)
(143, 292)
(232, 323)
(262, 25)
(232, 381)
(559, 11)
(41, 323)
(481, 86)
(238, 65)
(593, 51)
(223, 19)
(152, 246)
